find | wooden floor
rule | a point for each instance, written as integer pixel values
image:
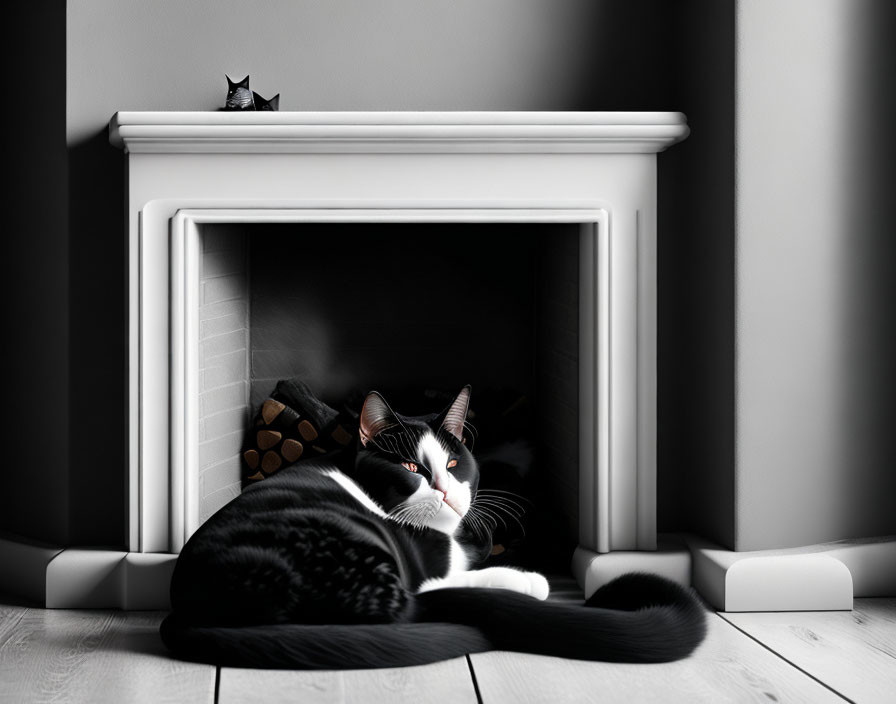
(115, 656)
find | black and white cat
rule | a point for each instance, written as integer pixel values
(370, 565)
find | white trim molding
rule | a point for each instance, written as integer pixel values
(617, 461)
(625, 529)
(617, 488)
(396, 132)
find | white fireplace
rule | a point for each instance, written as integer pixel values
(595, 172)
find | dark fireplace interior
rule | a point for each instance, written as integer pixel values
(414, 311)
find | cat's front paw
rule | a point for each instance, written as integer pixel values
(538, 585)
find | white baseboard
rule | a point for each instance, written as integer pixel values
(23, 567)
(104, 579)
(76, 578)
(822, 577)
(146, 580)
(592, 570)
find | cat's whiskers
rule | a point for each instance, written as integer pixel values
(478, 524)
(511, 507)
(399, 508)
(488, 523)
(486, 511)
(505, 494)
(498, 517)
(500, 512)
(503, 502)
(475, 521)
(415, 513)
(403, 513)
(407, 510)
(492, 507)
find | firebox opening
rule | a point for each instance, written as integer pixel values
(414, 311)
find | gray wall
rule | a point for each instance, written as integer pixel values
(816, 254)
(813, 335)
(695, 395)
(337, 55)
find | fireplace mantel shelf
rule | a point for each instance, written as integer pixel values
(396, 132)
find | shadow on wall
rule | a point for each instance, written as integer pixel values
(867, 483)
(695, 288)
(34, 284)
(632, 66)
(654, 55)
(651, 55)
(98, 342)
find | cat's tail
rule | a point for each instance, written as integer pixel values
(635, 618)
(327, 647)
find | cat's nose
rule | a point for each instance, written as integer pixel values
(439, 485)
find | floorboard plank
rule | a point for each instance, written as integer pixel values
(727, 667)
(442, 682)
(9, 619)
(96, 656)
(853, 652)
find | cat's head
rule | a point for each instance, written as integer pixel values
(418, 469)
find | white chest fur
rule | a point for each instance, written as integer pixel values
(458, 558)
(356, 491)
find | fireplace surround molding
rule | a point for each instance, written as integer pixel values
(186, 170)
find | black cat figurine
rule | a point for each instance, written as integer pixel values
(239, 97)
(272, 105)
(371, 562)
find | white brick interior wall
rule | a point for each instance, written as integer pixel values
(223, 364)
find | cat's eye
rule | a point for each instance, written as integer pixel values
(452, 463)
(410, 466)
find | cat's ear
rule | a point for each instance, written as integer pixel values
(376, 416)
(453, 418)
